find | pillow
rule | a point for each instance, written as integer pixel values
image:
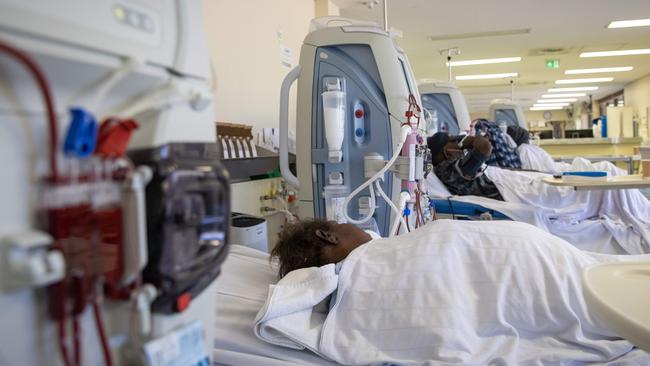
(434, 187)
(246, 273)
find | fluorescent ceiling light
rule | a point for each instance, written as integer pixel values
(550, 104)
(484, 61)
(564, 95)
(645, 51)
(562, 100)
(599, 70)
(578, 88)
(629, 23)
(587, 80)
(487, 76)
(545, 108)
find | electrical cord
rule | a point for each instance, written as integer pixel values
(44, 87)
(451, 208)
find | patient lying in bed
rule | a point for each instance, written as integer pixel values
(451, 292)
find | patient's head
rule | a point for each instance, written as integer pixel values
(519, 135)
(314, 243)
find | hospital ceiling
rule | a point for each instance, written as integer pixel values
(511, 28)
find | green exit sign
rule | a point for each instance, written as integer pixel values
(553, 64)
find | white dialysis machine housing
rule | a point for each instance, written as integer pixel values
(508, 111)
(105, 256)
(444, 107)
(357, 128)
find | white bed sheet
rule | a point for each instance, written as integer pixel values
(598, 221)
(462, 293)
(242, 289)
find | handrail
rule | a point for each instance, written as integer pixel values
(284, 127)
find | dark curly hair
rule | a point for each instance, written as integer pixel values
(299, 247)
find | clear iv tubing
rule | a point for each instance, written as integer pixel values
(397, 211)
(406, 130)
(371, 210)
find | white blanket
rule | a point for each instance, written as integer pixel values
(621, 217)
(470, 293)
(534, 157)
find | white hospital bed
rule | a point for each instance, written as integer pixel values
(242, 288)
(592, 235)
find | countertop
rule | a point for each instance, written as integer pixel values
(592, 141)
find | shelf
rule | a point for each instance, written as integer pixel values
(267, 162)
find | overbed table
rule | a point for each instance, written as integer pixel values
(621, 182)
(619, 294)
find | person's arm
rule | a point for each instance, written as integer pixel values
(471, 164)
(479, 143)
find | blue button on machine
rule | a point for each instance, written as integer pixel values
(81, 137)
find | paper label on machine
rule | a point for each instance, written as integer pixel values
(185, 346)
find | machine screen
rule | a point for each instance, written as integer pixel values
(441, 106)
(506, 115)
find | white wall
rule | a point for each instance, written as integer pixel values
(244, 41)
(637, 96)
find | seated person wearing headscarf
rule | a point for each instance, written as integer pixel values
(504, 149)
(459, 161)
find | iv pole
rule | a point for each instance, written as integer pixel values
(386, 16)
(453, 51)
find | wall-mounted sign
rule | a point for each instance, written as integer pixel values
(552, 64)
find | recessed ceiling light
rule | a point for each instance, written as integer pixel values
(578, 88)
(644, 51)
(487, 76)
(581, 81)
(545, 108)
(550, 104)
(557, 100)
(564, 95)
(629, 23)
(484, 61)
(599, 70)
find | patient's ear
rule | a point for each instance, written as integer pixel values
(327, 236)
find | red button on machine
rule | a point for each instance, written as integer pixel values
(358, 113)
(183, 301)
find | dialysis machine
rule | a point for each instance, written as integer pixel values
(508, 111)
(358, 108)
(142, 67)
(445, 108)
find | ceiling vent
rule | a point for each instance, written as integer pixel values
(499, 33)
(550, 51)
